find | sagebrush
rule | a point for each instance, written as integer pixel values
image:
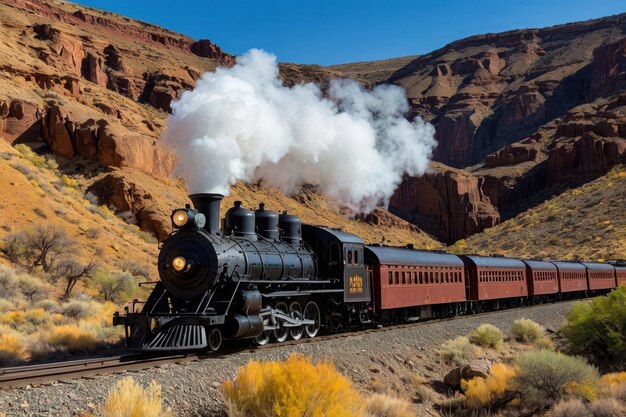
(292, 388)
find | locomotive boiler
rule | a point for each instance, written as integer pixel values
(254, 279)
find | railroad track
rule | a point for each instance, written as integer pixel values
(21, 376)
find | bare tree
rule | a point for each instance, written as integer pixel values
(16, 247)
(73, 271)
(47, 244)
(111, 284)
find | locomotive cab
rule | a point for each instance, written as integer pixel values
(341, 258)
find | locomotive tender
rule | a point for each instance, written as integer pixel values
(266, 276)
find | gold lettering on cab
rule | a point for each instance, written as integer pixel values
(355, 285)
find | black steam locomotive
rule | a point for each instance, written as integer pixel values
(264, 276)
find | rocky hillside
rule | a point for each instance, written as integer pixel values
(582, 223)
(531, 112)
(91, 90)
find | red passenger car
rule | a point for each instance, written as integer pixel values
(405, 278)
(620, 271)
(600, 276)
(543, 278)
(572, 276)
(492, 278)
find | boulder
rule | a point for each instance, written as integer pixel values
(478, 368)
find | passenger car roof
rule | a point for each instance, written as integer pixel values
(540, 264)
(400, 256)
(599, 266)
(566, 265)
(494, 262)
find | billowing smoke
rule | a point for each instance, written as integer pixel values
(242, 123)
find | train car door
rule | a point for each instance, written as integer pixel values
(356, 281)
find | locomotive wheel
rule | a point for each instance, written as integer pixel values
(295, 309)
(282, 333)
(312, 312)
(214, 339)
(264, 337)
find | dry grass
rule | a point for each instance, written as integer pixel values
(12, 348)
(291, 388)
(458, 350)
(72, 338)
(382, 405)
(130, 399)
(586, 222)
(487, 335)
(481, 392)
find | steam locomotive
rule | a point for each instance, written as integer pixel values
(266, 276)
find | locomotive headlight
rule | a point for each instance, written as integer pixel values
(179, 264)
(180, 218)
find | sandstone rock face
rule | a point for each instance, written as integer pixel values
(446, 202)
(91, 69)
(486, 92)
(19, 120)
(513, 154)
(104, 142)
(130, 190)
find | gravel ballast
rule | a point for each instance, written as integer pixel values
(192, 389)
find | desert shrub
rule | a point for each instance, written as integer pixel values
(113, 285)
(544, 376)
(596, 329)
(147, 237)
(92, 198)
(71, 338)
(15, 246)
(606, 407)
(423, 392)
(381, 405)
(78, 308)
(50, 306)
(93, 232)
(457, 350)
(614, 379)
(6, 305)
(8, 287)
(12, 349)
(570, 408)
(32, 288)
(134, 268)
(527, 331)
(129, 399)
(484, 391)
(259, 389)
(27, 153)
(127, 217)
(69, 182)
(487, 335)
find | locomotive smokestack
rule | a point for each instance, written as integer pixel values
(209, 205)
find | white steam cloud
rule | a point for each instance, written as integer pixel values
(242, 123)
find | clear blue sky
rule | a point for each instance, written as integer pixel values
(330, 32)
